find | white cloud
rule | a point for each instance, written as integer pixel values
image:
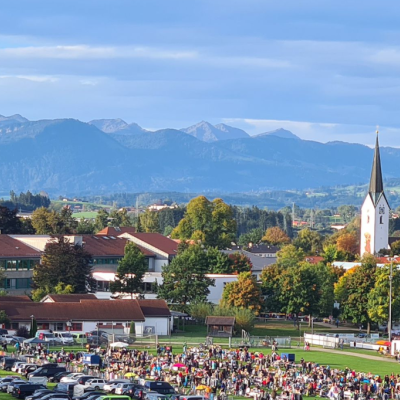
(33, 78)
(91, 52)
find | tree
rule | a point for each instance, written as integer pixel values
(130, 271)
(85, 227)
(63, 262)
(238, 263)
(2, 278)
(289, 256)
(348, 243)
(353, 288)
(184, 279)
(347, 212)
(200, 311)
(120, 218)
(252, 237)
(132, 328)
(218, 263)
(210, 223)
(309, 241)
(244, 293)
(4, 319)
(149, 221)
(395, 248)
(276, 236)
(270, 286)
(378, 297)
(9, 222)
(49, 222)
(33, 329)
(101, 220)
(300, 290)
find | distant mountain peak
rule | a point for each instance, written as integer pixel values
(109, 125)
(280, 132)
(209, 133)
(13, 118)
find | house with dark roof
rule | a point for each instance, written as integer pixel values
(220, 326)
(83, 313)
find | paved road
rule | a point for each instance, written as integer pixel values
(348, 353)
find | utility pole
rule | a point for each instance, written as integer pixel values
(293, 214)
(390, 301)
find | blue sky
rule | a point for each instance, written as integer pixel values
(326, 70)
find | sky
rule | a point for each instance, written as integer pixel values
(326, 70)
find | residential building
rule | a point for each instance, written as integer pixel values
(80, 314)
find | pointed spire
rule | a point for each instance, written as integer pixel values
(376, 182)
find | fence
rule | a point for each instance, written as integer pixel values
(264, 341)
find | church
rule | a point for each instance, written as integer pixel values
(375, 211)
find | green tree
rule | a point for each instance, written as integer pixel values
(184, 279)
(4, 319)
(130, 271)
(289, 256)
(85, 227)
(208, 222)
(9, 222)
(270, 286)
(120, 218)
(200, 311)
(378, 297)
(309, 241)
(132, 328)
(395, 248)
(33, 329)
(300, 290)
(63, 262)
(353, 288)
(254, 237)
(101, 220)
(347, 212)
(60, 288)
(149, 221)
(243, 293)
(218, 262)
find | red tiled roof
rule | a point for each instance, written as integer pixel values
(71, 298)
(104, 246)
(10, 247)
(154, 308)
(15, 298)
(314, 259)
(159, 241)
(110, 230)
(87, 310)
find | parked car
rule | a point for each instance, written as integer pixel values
(129, 389)
(6, 338)
(39, 393)
(25, 389)
(79, 338)
(27, 369)
(58, 376)
(155, 396)
(159, 387)
(89, 396)
(97, 337)
(84, 378)
(65, 338)
(3, 331)
(10, 386)
(16, 366)
(7, 363)
(73, 377)
(110, 386)
(46, 371)
(96, 383)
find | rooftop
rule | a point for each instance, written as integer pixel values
(10, 247)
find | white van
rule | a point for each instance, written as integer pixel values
(65, 337)
(48, 336)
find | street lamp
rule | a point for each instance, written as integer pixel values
(32, 318)
(390, 301)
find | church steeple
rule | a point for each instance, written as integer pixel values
(376, 182)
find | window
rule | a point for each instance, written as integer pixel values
(76, 326)
(381, 219)
(11, 265)
(59, 326)
(10, 283)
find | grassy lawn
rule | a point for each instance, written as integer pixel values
(86, 215)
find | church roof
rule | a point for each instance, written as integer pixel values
(376, 181)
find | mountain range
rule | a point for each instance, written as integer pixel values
(71, 157)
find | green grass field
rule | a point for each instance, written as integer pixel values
(86, 215)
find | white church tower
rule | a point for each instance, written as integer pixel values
(375, 211)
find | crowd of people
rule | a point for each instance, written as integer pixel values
(217, 372)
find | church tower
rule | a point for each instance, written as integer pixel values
(375, 211)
